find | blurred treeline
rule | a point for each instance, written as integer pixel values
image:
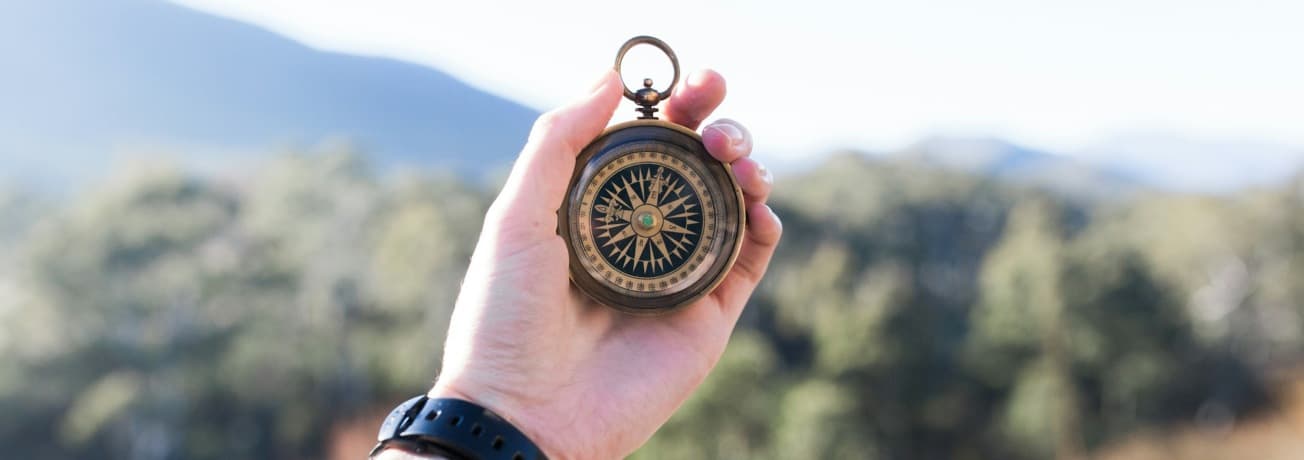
(910, 313)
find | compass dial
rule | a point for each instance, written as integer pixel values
(646, 222)
(651, 220)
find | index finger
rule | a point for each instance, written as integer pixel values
(695, 99)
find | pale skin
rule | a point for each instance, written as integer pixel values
(582, 380)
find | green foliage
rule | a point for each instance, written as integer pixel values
(909, 313)
(174, 314)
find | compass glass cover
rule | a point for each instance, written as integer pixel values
(648, 224)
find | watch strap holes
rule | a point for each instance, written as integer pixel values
(456, 425)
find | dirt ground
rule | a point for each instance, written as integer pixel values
(1277, 434)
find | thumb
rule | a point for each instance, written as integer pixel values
(538, 180)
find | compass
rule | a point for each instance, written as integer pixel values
(651, 220)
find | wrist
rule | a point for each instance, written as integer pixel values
(501, 406)
(457, 426)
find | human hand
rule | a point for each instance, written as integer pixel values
(580, 379)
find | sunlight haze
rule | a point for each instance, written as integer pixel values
(817, 75)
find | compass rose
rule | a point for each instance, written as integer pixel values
(646, 220)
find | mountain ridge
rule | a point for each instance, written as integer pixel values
(86, 79)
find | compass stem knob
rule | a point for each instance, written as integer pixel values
(647, 97)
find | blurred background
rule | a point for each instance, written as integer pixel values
(235, 229)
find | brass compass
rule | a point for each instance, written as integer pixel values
(651, 220)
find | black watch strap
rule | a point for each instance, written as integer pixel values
(460, 427)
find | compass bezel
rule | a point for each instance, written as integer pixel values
(719, 182)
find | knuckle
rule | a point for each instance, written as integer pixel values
(552, 128)
(546, 123)
(748, 272)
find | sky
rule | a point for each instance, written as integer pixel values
(814, 76)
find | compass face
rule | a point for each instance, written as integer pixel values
(647, 221)
(651, 220)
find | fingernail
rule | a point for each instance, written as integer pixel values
(732, 132)
(765, 173)
(697, 78)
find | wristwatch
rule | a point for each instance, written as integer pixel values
(454, 427)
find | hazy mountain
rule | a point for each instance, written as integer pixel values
(1121, 165)
(1017, 164)
(82, 81)
(1190, 165)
